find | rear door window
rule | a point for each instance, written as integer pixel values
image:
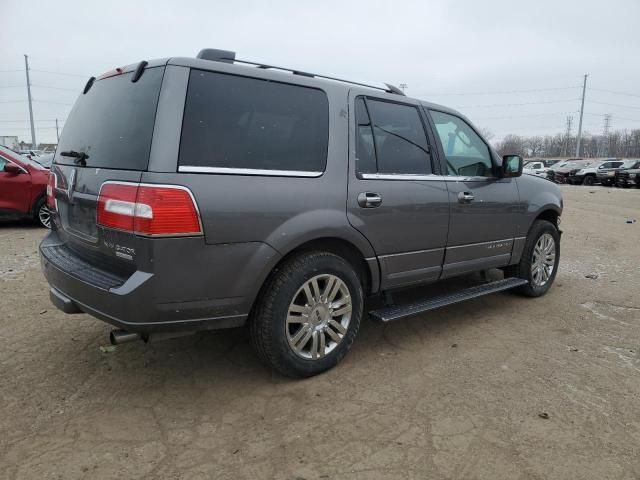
(390, 139)
(233, 122)
(113, 122)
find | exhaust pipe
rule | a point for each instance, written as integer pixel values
(118, 337)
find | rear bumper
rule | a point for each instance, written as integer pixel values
(139, 304)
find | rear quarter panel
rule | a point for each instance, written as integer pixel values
(280, 213)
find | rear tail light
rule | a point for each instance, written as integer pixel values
(151, 210)
(51, 191)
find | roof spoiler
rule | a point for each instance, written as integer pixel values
(216, 55)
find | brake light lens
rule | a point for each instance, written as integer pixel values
(51, 191)
(150, 210)
(110, 73)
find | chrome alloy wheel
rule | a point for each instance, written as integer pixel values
(44, 215)
(543, 261)
(318, 316)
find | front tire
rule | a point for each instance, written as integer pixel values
(540, 259)
(308, 314)
(589, 180)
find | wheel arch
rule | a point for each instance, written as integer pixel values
(34, 205)
(367, 267)
(550, 214)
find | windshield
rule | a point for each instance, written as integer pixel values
(45, 160)
(112, 124)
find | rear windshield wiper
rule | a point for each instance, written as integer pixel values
(80, 157)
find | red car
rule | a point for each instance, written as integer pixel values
(23, 188)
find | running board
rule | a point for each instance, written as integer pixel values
(396, 312)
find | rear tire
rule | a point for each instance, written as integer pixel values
(308, 314)
(540, 259)
(42, 215)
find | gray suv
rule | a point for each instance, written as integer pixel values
(204, 193)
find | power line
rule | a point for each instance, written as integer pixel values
(55, 88)
(517, 104)
(526, 116)
(22, 121)
(54, 103)
(617, 117)
(29, 128)
(61, 73)
(614, 92)
(615, 105)
(505, 92)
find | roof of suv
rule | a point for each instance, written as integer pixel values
(282, 74)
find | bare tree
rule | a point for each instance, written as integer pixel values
(486, 134)
(620, 143)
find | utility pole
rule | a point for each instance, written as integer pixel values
(567, 136)
(57, 132)
(584, 89)
(33, 129)
(403, 86)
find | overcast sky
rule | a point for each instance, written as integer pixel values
(438, 48)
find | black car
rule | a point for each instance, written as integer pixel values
(628, 177)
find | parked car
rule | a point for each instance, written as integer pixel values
(562, 172)
(587, 176)
(203, 193)
(550, 162)
(629, 176)
(30, 154)
(45, 160)
(607, 176)
(536, 168)
(23, 185)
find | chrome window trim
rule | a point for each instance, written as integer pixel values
(461, 178)
(401, 176)
(248, 171)
(439, 249)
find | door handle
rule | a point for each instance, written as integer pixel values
(369, 200)
(465, 197)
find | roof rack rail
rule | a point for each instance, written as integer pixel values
(227, 56)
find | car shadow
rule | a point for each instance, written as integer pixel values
(225, 357)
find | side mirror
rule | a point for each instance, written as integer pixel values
(511, 166)
(12, 168)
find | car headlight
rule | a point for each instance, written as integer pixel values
(580, 172)
(633, 175)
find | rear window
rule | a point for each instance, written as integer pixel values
(113, 122)
(233, 122)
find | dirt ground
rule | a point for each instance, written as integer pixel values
(458, 393)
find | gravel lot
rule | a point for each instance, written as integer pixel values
(458, 393)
